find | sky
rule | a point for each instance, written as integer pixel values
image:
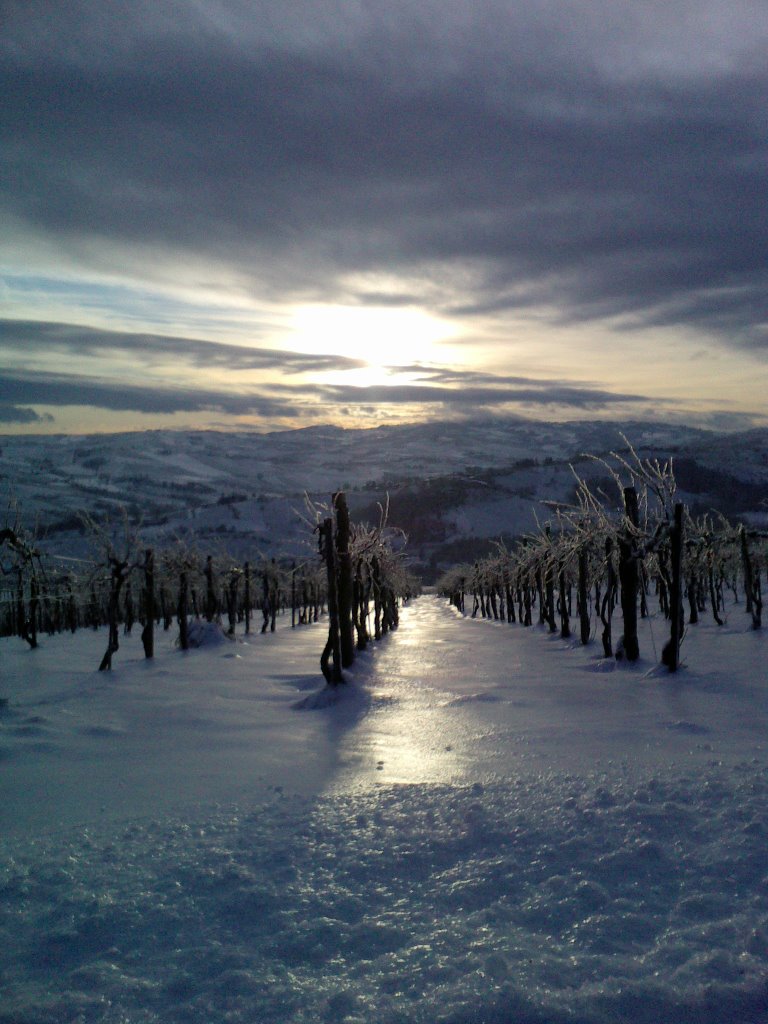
(264, 215)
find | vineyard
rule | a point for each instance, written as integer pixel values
(358, 577)
(600, 558)
(481, 823)
(613, 552)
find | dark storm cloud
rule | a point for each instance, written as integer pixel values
(607, 160)
(60, 389)
(77, 341)
(18, 414)
(22, 389)
(537, 393)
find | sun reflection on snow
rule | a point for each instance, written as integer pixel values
(407, 733)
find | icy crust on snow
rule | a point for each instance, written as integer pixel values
(642, 898)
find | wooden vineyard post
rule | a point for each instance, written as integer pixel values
(609, 599)
(148, 632)
(345, 588)
(583, 596)
(116, 580)
(671, 653)
(129, 612)
(527, 616)
(293, 595)
(71, 608)
(643, 593)
(693, 598)
(231, 597)
(210, 592)
(21, 611)
(714, 596)
(540, 596)
(332, 650)
(549, 599)
(360, 603)
(629, 575)
(565, 625)
(746, 563)
(34, 608)
(509, 595)
(752, 585)
(183, 612)
(549, 589)
(247, 597)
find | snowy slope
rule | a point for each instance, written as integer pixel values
(446, 482)
(486, 825)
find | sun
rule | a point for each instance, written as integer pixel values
(385, 338)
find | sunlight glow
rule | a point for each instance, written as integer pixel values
(380, 335)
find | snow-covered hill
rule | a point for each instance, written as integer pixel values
(447, 483)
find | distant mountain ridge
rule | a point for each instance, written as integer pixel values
(447, 483)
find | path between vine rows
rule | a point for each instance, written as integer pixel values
(453, 698)
(485, 824)
(442, 699)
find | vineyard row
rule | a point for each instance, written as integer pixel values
(125, 584)
(610, 554)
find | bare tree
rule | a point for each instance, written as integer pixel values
(117, 550)
(20, 558)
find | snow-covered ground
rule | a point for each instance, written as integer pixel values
(486, 824)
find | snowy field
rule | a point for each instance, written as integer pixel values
(487, 826)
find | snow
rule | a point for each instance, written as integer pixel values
(245, 493)
(486, 824)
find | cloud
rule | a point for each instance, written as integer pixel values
(77, 340)
(465, 394)
(603, 160)
(536, 393)
(19, 414)
(469, 377)
(59, 389)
